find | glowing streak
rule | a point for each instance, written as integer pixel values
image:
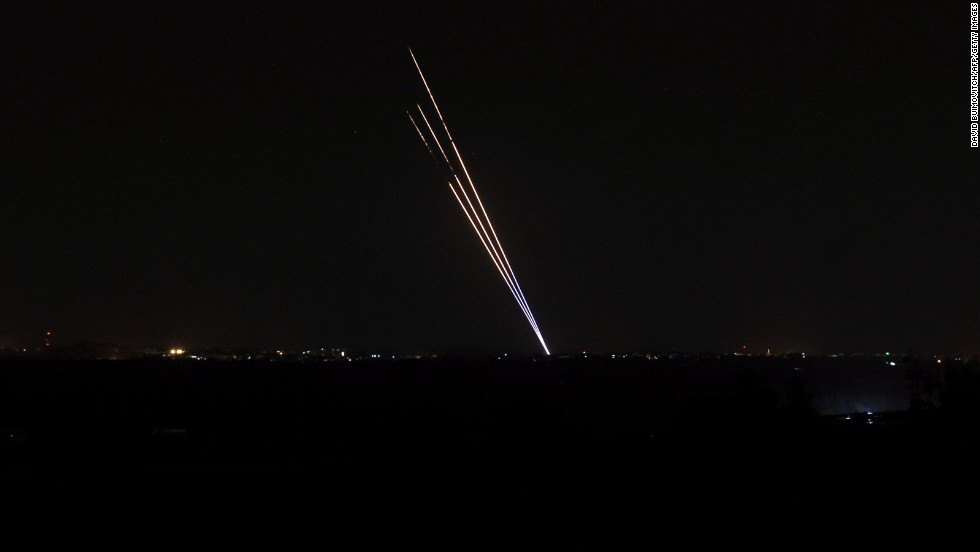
(472, 186)
(481, 232)
(431, 97)
(491, 249)
(410, 118)
(499, 259)
(511, 278)
(434, 137)
(500, 269)
(501, 255)
(495, 256)
(490, 224)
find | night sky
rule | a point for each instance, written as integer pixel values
(793, 175)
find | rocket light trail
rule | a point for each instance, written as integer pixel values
(489, 239)
(520, 298)
(410, 118)
(434, 137)
(509, 277)
(499, 259)
(496, 263)
(431, 97)
(490, 224)
(481, 232)
(499, 266)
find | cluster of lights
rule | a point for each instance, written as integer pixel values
(176, 352)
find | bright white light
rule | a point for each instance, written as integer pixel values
(891, 364)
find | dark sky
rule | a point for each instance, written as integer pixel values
(794, 175)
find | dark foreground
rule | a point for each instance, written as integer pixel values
(528, 435)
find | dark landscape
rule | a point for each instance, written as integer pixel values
(695, 260)
(702, 431)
